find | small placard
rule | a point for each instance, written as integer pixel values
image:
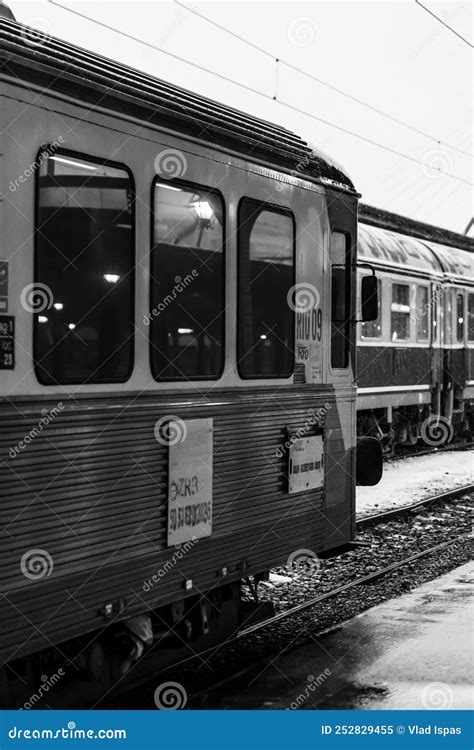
(7, 342)
(305, 465)
(3, 286)
(190, 483)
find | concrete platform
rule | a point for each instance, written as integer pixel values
(413, 652)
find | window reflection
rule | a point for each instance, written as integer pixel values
(187, 285)
(400, 311)
(340, 299)
(266, 275)
(459, 318)
(470, 317)
(422, 312)
(84, 267)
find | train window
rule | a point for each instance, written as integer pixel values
(448, 317)
(266, 277)
(187, 316)
(372, 329)
(340, 299)
(434, 313)
(84, 271)
(422, 313)
(400, 311)
(459, 317)
(470, 317)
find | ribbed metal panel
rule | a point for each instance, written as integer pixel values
(97, 81)
(91, 489)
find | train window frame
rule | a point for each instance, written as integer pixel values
(188, 185)
(349, 252)
(48, 150)
(420, 337)
(409, 337)
(460, 321)
(470, 317)
(282, 211)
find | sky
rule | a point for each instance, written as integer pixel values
(394, 56)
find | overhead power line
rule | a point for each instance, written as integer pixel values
(250, 89)
(314, 78)
(443, 23)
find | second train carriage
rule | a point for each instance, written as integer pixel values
(177, 387)
(416, 360)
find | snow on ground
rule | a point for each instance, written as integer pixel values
(410, 479)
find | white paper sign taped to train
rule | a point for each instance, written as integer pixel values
(305, 465)
(190, 483)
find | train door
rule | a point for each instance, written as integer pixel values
(470, 338)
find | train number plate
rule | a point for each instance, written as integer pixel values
(305, 466)
(7, 342)
(190, 482)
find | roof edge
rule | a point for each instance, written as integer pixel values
(379, 217)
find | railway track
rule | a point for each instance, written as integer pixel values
(452, 447)
(406, 510)
(370, 521)
(372, 577)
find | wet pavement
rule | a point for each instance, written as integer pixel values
(412, 652)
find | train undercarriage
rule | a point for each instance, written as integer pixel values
(434, 425)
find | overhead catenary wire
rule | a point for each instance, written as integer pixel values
(318, 80)
(443, 23)
(252, 90)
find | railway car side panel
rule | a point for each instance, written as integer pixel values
(87, 482)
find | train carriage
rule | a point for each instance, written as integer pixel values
(177, 386)
(415, 361)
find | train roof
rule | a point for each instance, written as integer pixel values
(387, 248)
(457, 264)
(384, 247)
(379, 217)
(98, 81)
